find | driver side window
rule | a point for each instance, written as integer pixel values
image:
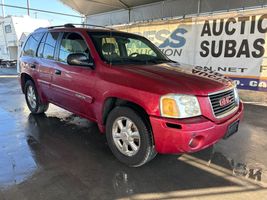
(110, 48)
(72, 43)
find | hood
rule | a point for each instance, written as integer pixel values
(173, 78)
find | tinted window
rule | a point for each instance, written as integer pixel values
(50, 45)
(32, 44)
(108, 42)
(72, 43)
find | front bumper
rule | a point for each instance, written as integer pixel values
(174, 136)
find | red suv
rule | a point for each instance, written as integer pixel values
(144, 102)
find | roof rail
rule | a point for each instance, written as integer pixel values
(69, 25)
(94, 25)
(64, 26)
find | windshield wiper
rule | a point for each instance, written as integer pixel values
(126, 60)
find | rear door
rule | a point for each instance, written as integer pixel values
(73, 86)
(46, 62)
(28, 62)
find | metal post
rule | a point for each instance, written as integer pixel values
(3, 8)
(83, 19)
(129, 15)
(198, 7)
(28, 7)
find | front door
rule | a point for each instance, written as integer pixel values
(73, 86)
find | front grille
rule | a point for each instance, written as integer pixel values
(222, 110)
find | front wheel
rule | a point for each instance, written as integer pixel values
(33, 100)
(129, 137)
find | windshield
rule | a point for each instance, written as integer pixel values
(124, 48)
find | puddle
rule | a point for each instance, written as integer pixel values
(16, 160)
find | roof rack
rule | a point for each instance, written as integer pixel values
(92, 25)
(69, 25)
(59, 26)
(63, 26)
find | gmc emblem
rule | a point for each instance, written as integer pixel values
(225, 101)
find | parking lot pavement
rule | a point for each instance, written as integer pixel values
(61, 156)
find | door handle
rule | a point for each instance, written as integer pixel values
(57, 72)
(33, 66)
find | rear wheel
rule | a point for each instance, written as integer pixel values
(33, 100)
(129, 137)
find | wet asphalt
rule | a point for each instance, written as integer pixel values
(61, 156)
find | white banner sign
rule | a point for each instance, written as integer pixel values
(233, 44)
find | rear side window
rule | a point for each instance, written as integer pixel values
(50, 45)
(31, 45)
(72, 43)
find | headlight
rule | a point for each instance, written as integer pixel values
(179, 106)
(236, 96)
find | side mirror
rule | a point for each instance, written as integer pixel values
(80, 59)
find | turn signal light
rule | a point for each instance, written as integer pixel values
(169, 107)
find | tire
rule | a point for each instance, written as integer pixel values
(118, 134)
(33, 100)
